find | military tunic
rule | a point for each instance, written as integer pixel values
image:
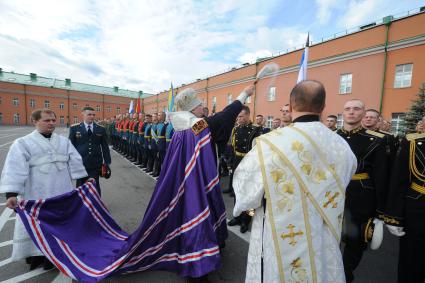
(93, 148)
(365, 194)
(406, 206)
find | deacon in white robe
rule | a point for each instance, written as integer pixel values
(39, 165)
(295, 178)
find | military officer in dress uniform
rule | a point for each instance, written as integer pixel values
(405, 213)
(259, 123)
(91, 142)
(153, 146)
(366, 193)
(160, 134)
(371, 121)
(331, 122)
(140, 136)
(242, 137)
(169, 131)
(147, 140)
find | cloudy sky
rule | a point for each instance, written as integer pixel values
(146, 45)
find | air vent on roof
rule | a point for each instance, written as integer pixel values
(33, 76)
(368, 26)
(245, 64)
(422, 9)
(388, 19)
(234, 68)
(115, 89)
(68, 82)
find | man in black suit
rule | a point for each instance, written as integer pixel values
(91, 142)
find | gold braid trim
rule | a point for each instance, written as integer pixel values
(412, 163)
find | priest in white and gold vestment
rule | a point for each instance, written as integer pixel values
(295, 179)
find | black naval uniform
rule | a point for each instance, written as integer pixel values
(365, 194)
(93, 148)
(406, 207)
(242, 138)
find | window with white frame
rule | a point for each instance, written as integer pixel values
(108, 108)
(97, 108)
(229, 98)
(61, 105)
(403, 75)
(75, 119)
(397, 123)
(15, 101)
(62, 120)
(118, 109)
(74, 105)
(46, 104)
(345, 83)
(339, 121)
(16, 119)
(269, 122)
(32, 103)
(272, 94)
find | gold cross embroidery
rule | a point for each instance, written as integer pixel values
(331, 199)
(291, 235)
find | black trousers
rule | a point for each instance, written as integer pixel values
(92, 173)
(411, 264)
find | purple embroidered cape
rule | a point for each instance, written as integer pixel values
(182, 229)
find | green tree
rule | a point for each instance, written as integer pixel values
(416, 112)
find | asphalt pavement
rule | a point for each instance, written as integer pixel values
(127, 194)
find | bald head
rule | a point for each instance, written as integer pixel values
(308, 96)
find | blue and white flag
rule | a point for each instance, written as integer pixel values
(302, 75)
(131, 108)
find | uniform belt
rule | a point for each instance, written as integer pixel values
(141, 133)
(360, 176)
(167, 140)
(418, 188)
(135, 132)
(238, 153)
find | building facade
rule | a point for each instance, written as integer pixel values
(381, 63)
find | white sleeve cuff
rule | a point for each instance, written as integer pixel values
(242, 97)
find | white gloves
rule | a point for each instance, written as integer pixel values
(378, 234)
(248, 91)
(396, 231)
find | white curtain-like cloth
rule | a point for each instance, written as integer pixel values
(38, 168)
(302, 171)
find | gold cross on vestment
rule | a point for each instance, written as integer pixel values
(291, 235)
(331, 199)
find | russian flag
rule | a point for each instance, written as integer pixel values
(302, 75)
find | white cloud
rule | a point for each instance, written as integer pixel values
(325, 9)
(144, 45)
(358, 12)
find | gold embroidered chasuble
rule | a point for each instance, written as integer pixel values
(302, 171)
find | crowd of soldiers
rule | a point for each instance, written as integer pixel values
(143, 139)
(388, 186)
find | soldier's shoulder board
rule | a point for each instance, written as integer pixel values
(199, 126)
(387, 133)
(414, 136)
(99, 125)
(376, 134)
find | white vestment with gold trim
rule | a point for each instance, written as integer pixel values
(302, 172)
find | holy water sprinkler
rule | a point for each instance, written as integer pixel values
(267, 70)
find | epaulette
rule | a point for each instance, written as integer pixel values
(199, 126)
(376, 134)
(414, 136)
(99, 125)
(387, 133)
